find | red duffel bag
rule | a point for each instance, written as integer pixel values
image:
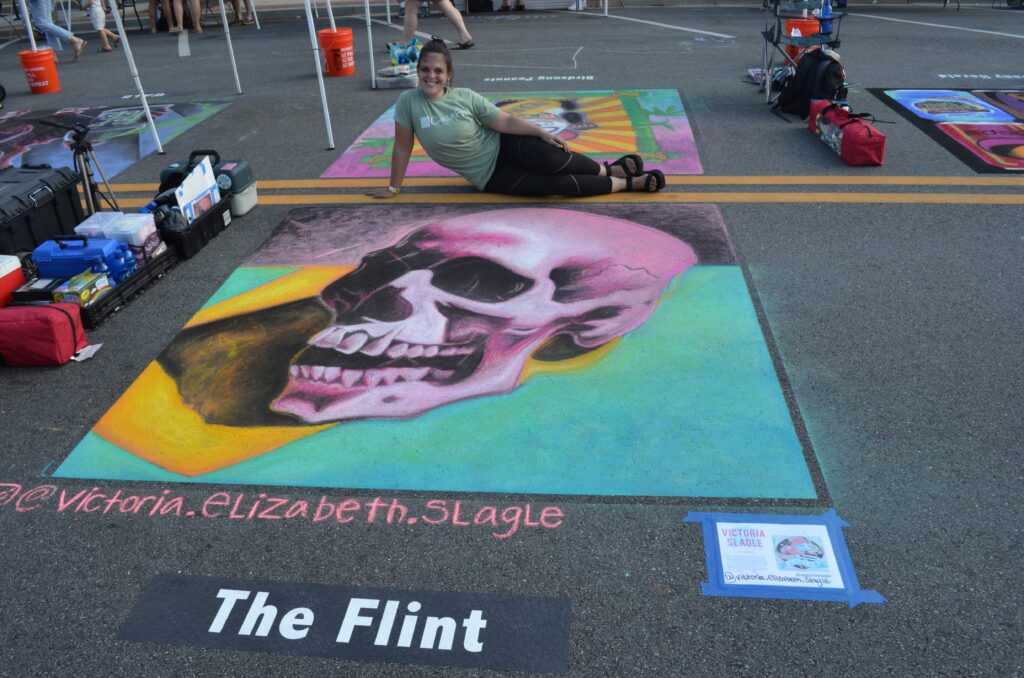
(852, 137)
(47, 334)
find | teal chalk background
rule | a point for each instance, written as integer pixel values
(688, 405)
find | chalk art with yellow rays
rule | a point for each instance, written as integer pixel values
(603, 124)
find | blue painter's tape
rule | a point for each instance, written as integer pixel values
(737, 573)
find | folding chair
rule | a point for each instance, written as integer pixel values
(130, 3)
(776, 38)
(9, 18)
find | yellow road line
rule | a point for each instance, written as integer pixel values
(664, 197)
(673, 180)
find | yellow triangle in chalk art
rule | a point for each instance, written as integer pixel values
(178, 439)
(301, 284)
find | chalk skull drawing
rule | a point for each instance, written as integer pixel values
(456, 308)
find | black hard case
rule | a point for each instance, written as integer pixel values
(37, 204)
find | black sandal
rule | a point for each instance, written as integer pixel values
(638, 165)
(646, 186)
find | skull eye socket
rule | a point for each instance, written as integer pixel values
(479, 279)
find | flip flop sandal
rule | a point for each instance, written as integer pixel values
(646, 186)
(80, 49)
(106, 49)
(638, 165)
(462, 45)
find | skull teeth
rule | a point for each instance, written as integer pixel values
(343, 341)
(366, 378)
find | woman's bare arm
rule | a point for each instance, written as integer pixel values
(400, 153)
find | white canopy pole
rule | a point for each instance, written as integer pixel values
(369, 41)
(387, 11)
(231, 48)
(330, 15)
(319, 74)
(255, 14)
(28, 25)
(135, 73)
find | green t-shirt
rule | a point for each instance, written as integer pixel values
(453, 130)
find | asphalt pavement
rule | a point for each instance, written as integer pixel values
(890, 296)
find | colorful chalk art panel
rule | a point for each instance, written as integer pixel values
(984, 128)
(566, 349)
(119, 135)
(601, 124)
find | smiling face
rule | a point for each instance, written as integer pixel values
(455, 309)
(433, 73)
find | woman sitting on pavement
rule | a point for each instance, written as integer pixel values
(493, 150)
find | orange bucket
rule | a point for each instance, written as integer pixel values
(807, 27)
(41, 70)
(337, 46)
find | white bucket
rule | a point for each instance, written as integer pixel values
(243, 201)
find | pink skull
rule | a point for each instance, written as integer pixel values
(456, 309)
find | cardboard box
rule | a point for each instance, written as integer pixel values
(83, 289)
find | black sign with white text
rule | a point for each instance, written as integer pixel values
(385, 625)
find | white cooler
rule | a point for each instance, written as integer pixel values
(94, 224)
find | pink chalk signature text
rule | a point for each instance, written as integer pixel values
(501, 521)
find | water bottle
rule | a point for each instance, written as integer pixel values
(826, 17)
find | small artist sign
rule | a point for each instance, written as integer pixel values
(385, 625)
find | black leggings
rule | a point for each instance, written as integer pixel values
(531, 166)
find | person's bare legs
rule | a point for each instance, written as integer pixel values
(105, 38)
(179, 16)
(411, 21)
(453, 16)
(168, 13)
(409, 24)
(78, 45)
(197, 16)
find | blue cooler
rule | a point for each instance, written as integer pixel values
(65, 257)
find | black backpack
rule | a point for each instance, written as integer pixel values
(818, 76)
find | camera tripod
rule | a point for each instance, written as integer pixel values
(85, 160)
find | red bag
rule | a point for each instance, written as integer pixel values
(855, 140)
(47, 334)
